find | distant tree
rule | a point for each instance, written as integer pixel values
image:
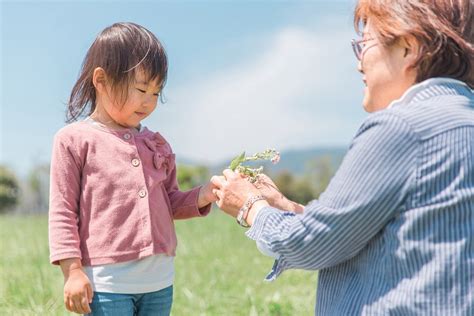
(191, 176)
(285, 182)
(38, 185)
(9, 190)
(303, 191)
(298, 189)
(319, 173)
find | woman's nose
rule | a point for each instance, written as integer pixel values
(359, 67)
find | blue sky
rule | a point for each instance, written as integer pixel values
(244, 75)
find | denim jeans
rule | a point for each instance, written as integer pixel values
(154, 303)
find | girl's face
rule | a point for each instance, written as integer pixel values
(385, 71)
(141, 101)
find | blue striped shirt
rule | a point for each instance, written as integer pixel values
(393, 232)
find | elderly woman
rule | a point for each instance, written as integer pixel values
(393, 234)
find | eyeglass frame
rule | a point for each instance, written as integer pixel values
(357, 48)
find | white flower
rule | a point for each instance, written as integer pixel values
(252, 173)
(276, 158)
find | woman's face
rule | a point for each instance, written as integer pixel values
(386, 71)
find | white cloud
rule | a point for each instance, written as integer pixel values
(300, 90)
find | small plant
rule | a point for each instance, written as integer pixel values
(253, 173)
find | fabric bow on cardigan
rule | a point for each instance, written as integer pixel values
(162, 153)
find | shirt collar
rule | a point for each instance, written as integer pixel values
(431, 88)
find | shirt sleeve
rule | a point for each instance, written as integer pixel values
(183, 204)
(368, 189)
(65, 181)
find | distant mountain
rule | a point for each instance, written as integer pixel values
(296, 161)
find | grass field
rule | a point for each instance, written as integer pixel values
(219, 271)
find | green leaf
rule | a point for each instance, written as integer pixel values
(237, 161)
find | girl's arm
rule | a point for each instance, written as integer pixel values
(65, 182)
(206, 196)
(193, 203)
(63, 218)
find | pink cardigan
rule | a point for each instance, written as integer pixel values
(114, 195)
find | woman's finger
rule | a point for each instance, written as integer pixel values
(229, 174)
(218, 181)
(219, 195)
(219, 203)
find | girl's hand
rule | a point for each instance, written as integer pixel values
(206, 196)
(273, 195)
(77, 287)
(78, 292)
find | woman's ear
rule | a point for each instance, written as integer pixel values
(411, 52)
(99, 79)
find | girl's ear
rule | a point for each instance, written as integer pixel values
(99, 79)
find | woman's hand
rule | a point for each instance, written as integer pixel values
(232, 191)
(77, 287)
(274, 197)
(270, 191)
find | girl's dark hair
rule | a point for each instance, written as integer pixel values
(120, 49)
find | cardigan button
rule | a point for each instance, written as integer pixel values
(127, 136)
(135, 162)
(142, 193)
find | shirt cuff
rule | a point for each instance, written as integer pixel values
(56, 258)
(261, 220)
(203, 211)
(258, 229)
(259, 223)
(266, 251)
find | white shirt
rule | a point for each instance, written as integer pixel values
(146, 275)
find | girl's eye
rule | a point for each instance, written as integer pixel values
(143, 91)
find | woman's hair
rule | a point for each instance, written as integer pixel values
(443, 29)
(121, 50)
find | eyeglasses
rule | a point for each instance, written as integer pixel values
(358, 46)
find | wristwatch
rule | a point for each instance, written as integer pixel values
(243, 212)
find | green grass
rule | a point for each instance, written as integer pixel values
(219, 271)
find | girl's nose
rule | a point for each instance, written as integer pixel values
(151, 100)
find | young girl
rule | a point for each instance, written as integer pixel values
(114, 193)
